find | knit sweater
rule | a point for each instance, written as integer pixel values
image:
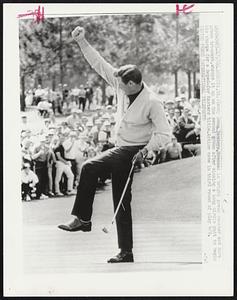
(144, 121)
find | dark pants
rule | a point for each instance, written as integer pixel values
(118, 162)
(41, 171)
(82, 101)
(26, 189)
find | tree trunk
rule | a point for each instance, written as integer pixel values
(176, 41)
(103, 92)
(194, 83)
(53, 82)
(189, 85)
(60, 51)
(22, 95)
(176, 83)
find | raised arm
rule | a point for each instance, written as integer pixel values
(97, 62)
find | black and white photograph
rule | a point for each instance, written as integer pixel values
(110, 144)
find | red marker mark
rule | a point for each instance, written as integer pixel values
(37, 14)
(185, 9)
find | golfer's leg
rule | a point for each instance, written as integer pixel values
(90, 171)
(124, 216)
(120, 174)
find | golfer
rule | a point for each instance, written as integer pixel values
(141, 126)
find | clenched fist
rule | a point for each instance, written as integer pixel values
(78, 33)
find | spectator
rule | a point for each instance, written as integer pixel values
(178, 104)
(71, 148)
(194, 141)
(173, 150)
(39, 94)
(82, 97)
(110, 94)
(62, 167)
(89, 94)
(24, 123)
(74, 118)
(44, 107)
(28, 182)
(40, 158)
(186, 124)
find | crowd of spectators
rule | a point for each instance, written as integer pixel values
(53, 152)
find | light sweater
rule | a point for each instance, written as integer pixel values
(144, 121)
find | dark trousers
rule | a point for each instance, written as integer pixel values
(26, 189)
(41, 171)
(82, 101)
(118, 162)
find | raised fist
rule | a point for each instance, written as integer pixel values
(78, 33)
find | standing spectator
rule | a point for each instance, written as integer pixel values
(71, 148)
(40, 158)
(89, 94)
(62, 167)
(44, 107)
(82, 97)
(65, 92)
(58, 103)
(24, 123)
(110, 94)
(26, 152)
(51, 161)
(98, 96)
(39, 93)
(75, 93)
(28, 182)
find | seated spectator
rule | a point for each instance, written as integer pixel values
(62, 167)
(65, 128)
(28, 182)
(44, 107)
(173, 150)
(186, 124)
(74, 118)
(194, 141)
(179, 104)
(169, 104)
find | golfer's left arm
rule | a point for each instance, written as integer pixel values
(161, 135)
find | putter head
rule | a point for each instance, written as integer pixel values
(105, 230)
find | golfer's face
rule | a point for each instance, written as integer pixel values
(123, 86)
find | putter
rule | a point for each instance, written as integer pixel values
(106, 230)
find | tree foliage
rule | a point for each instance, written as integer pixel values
(158, 44)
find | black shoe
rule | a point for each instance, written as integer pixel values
(76, 225)
(122, 257)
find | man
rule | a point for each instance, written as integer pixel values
(63, 166)
(71, 148)
(40, 157)
(82, 98)
(186, 124)
(140, 114)
(74, 118)
(28, 182)
(89, 94)
(173, 150)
